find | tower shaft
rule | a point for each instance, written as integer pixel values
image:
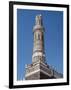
(38, 48)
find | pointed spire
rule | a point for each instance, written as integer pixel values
(38, 23)
(38, 19)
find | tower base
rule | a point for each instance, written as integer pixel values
(37, 76)
(40, 71)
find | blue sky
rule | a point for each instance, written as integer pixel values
(53, 38)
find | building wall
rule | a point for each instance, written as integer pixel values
(33, 76)
(38, 75)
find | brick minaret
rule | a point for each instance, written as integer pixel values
(39, 69)
(38, 49)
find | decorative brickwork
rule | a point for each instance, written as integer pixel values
(39, 69)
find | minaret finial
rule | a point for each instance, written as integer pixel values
(39, 19)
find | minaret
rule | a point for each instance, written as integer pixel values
(39, 69)
(38, 48)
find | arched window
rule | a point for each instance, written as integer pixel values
(38, 36)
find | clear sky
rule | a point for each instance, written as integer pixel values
(53, 24)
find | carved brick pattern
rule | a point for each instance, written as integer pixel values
(32, 68)
(38, 59)
(47, 70)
